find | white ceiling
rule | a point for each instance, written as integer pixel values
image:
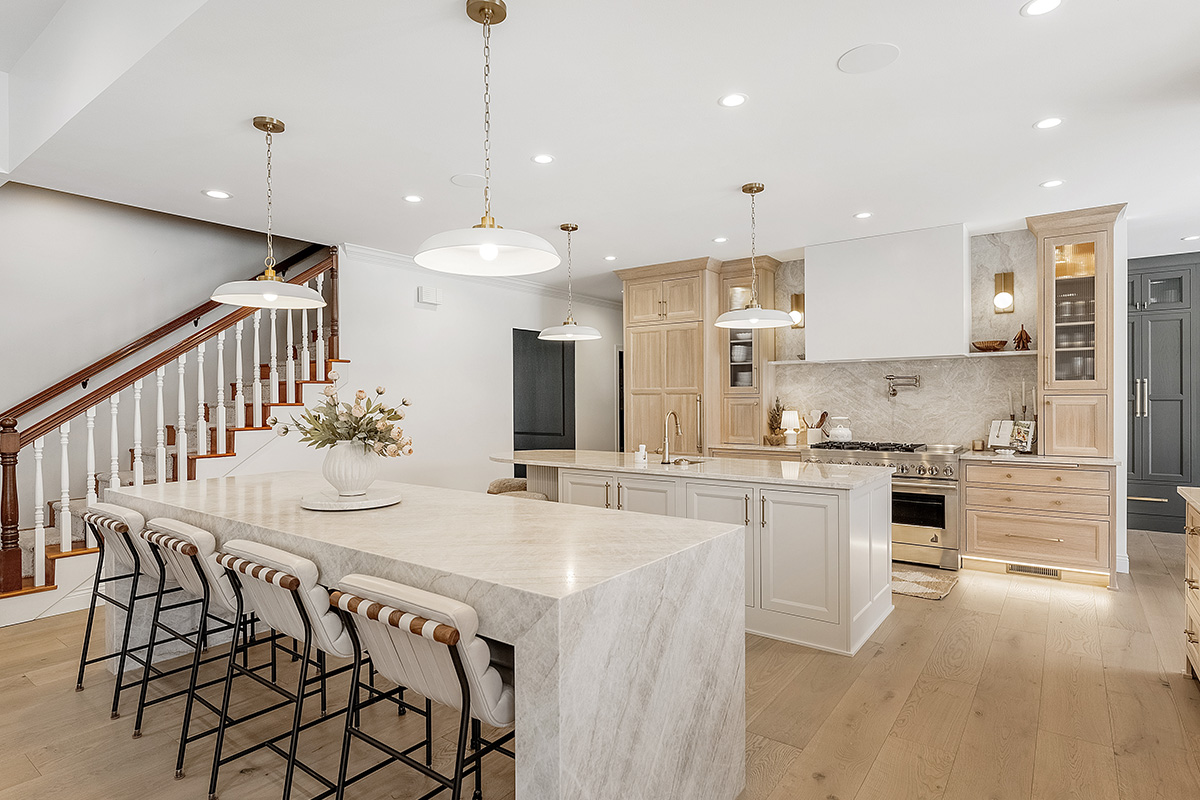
(383, 99)
(21, 21)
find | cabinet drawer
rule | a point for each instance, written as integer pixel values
(1192, 531)
(1044, 477)
(1191, 580)
(1190, 643)
(1095, 505)
(1041, 540)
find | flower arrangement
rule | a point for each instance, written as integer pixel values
(366, 420)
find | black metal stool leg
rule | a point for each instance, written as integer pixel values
(321, 667)
(191, 694)
(148, 668)
(475, 742)
(298, 717)
(116, 703)
(216, 767)
(87, 633)
(352, 716)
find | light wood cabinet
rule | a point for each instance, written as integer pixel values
(1077, 425)
(1080, 542)
(1191, 582)
(745, 353)
(653, 300)
(643, 302)
(741, 420)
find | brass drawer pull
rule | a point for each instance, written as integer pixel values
(1192, 584)
(619, 508)
(1191, 636)
(1149, 499)
(1191, 530)
(1035, 538)
(763, 510)
(607, 504)
(1058, 502)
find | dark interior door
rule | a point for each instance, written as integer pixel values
(543, 394)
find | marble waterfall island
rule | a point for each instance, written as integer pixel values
(628, 631)
(816, 538)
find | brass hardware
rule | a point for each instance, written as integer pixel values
(762, 511)
(798, 310)
(490, 12)
(1191, 636)
(1003, 301)
(699, 425)
(607, 503)
(1008, 475)
(747, 509)
(1192, 584)
(1058, 477)
(1035, 538)
(269, 124)
(1058, 502)
(487, 221)
(569, 227)
(752, 188)
(1149, 499)
(1191, 530)
(619, 507)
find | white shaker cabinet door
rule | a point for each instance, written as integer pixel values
(734, 505)
(595, 489)
(646, 495)
(798, 546)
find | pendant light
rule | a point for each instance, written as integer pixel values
(569, 331)
(754, 315)
(487, 249)
(269, 290)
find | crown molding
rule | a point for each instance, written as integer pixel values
(387, 258)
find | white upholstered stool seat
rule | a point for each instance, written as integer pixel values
(506, 485)
(179, 566)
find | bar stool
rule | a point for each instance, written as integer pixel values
(428, 643)
(283, 589)
(115, 529)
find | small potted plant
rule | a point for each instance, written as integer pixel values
(357, 434)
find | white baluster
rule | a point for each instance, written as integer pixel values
(220, 448)
(139, 473)
(91, 457)
(239, 395)
(181, 452)
(114, 467)
(291, 360)
(201, 423)
(321, 365)
(160, 429)
(305, 362)
(274, 374)
(64, 499)
(39, 515)
(257, 416)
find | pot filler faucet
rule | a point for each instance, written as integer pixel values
(667, 435)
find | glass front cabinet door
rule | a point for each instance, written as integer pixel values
(1075, 297)
(740, 371)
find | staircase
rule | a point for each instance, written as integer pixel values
(216, 426)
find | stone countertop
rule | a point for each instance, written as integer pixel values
(1039, 460)
(547, 549)
(782, 473)
(1191, 494)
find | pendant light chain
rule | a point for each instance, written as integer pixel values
(269, 261)
(487, 116)
(753, 269)
(570, 291)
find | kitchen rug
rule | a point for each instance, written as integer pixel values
(913, 582)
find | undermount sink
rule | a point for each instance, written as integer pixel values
(683, 461)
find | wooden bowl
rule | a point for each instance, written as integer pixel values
(990, 345)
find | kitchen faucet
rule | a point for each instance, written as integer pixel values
(667, 435)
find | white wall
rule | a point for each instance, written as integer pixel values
(894, 296)
(454, 362)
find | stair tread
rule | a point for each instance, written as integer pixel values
(27, 587)
(53, 551)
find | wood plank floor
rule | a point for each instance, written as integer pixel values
(1012, 687)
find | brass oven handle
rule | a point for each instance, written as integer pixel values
(1026, 536)
(747, 509)
(762, 511)
(607, 504)
(1149, 499)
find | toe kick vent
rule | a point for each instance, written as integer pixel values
(1037, 572)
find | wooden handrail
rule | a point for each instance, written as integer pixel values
(117, 356)
(149, 366)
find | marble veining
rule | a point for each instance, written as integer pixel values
(823, 476)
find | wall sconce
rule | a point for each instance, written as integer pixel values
(797, 313)
(1003, 299)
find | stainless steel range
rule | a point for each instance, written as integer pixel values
(925, 528)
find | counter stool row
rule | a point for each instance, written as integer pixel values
(416, 639)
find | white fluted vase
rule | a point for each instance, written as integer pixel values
(351, 468)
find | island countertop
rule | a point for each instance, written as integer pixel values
(794, 473)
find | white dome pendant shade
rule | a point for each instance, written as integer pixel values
(269, 290)
(569, 331)
(753, 316)
(487, 249)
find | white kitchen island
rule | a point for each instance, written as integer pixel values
(629, 644)
(817, 537)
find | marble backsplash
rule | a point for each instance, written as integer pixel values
(955, 404)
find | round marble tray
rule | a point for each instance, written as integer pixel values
(330, 501)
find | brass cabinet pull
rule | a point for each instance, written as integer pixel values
(1008, 475)
(607, 486)
(1191, 636)
(663, 311)
(1191, 530)
(762, 511)
(1192, 584)
(1035, 538)
(747, 509)
(1058, 502)
(700, 425)
(1058, 477)
(619, 507)
(1149, 499)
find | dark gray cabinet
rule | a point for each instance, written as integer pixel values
(1164, 386)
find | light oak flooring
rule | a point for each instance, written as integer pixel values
(1011, 687)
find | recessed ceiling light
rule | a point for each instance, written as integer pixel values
(217, 194)
(413, 198)
(1048, 122)
(1191, 238)
(863, 215)
(614, 258)
(542, 158)
(868, 58)
(1035, 8)
(721, 239)
(1051, 184)
(467, 180)
(732, 100)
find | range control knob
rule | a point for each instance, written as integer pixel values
(947, 471)
(904, 469)
(933, 470)
(920, 469)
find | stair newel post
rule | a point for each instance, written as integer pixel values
(334, 348)
(201, 411)
(321, 366)
(257, 416)
(290, 371)
(90, 489)
(239, 394)
(138, 469)
(114, 465)
(39, 514)
(10, 543)
(64, 499)
(274, 374)
(305, 362)
(181, 450)
(160, 428)
(220, 443)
